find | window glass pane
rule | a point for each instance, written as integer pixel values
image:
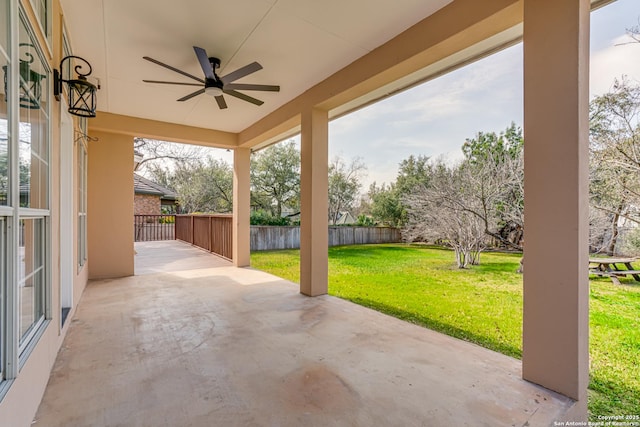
(4, 25)
(34, 121)
(31, 275)
(4, 162)
(42, 10)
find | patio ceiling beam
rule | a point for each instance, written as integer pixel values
(460, 25)
(163, 131)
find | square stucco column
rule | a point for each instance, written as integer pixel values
(556, 125)
(314, 204)
(241, 207)
(110, 206)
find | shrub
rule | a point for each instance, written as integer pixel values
(261, 217)
(167, 219)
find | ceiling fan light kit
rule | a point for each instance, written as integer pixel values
(214, 85)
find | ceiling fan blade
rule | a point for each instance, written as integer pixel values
(222, 104)
(243, 97)
(243, 86)
(172, 83)
(191, 95)
(241, 72)
(207, 69)
(169, 67)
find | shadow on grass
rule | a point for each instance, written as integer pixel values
(439, 326)
(368, 249)
(397, 252)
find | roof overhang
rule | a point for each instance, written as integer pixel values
(418, 41)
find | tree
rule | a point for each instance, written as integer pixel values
(24, 171)
(634, 33)
(614, 126)
(614, 164)
(158, 153)
(495, 166)
(435, 213)
(412, 172)
(494, 147)
(344, 185)
(477, 198)
(387, 204)
(4, 176)
(275, 178)
(202, 186)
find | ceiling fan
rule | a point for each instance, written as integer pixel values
(214, 85)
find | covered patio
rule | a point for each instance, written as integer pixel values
(231, 344)
(204, 343)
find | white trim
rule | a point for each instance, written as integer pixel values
(81, 187)
(13, 109)
(48, 35)
(66, 209)
(16, 347)
(38, 331)
(40, 240)
(3, 281)
(33, 213)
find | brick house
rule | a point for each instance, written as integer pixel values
(151, 198)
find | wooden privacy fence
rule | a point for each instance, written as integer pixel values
(214, 233)
(148, 228)
(266, 237)
(210, 232)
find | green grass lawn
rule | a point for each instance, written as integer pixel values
(483, 305)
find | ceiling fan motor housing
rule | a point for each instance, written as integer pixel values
(214, 86)
(215, 62)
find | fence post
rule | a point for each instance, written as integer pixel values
(192, 233)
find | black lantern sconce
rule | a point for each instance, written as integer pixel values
(30, 81)
(82, 93)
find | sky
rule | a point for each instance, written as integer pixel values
(435, 118)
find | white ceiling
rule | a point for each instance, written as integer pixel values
(298, 42)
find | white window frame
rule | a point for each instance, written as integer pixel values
(15, 351)
(46, 28)
(82, 194)
(25, 348)
(3, 281)
(37, 325)
(10, 344)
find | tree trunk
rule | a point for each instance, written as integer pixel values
(462, 257)
(615, 231)
(475, 257)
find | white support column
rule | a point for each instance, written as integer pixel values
(314, 223)
(556, 124)
(241, 207)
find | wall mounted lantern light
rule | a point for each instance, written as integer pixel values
(30, 81)
(82, 93)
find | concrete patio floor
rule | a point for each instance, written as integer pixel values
(212, 345)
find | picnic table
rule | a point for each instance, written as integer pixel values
(613, 268)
